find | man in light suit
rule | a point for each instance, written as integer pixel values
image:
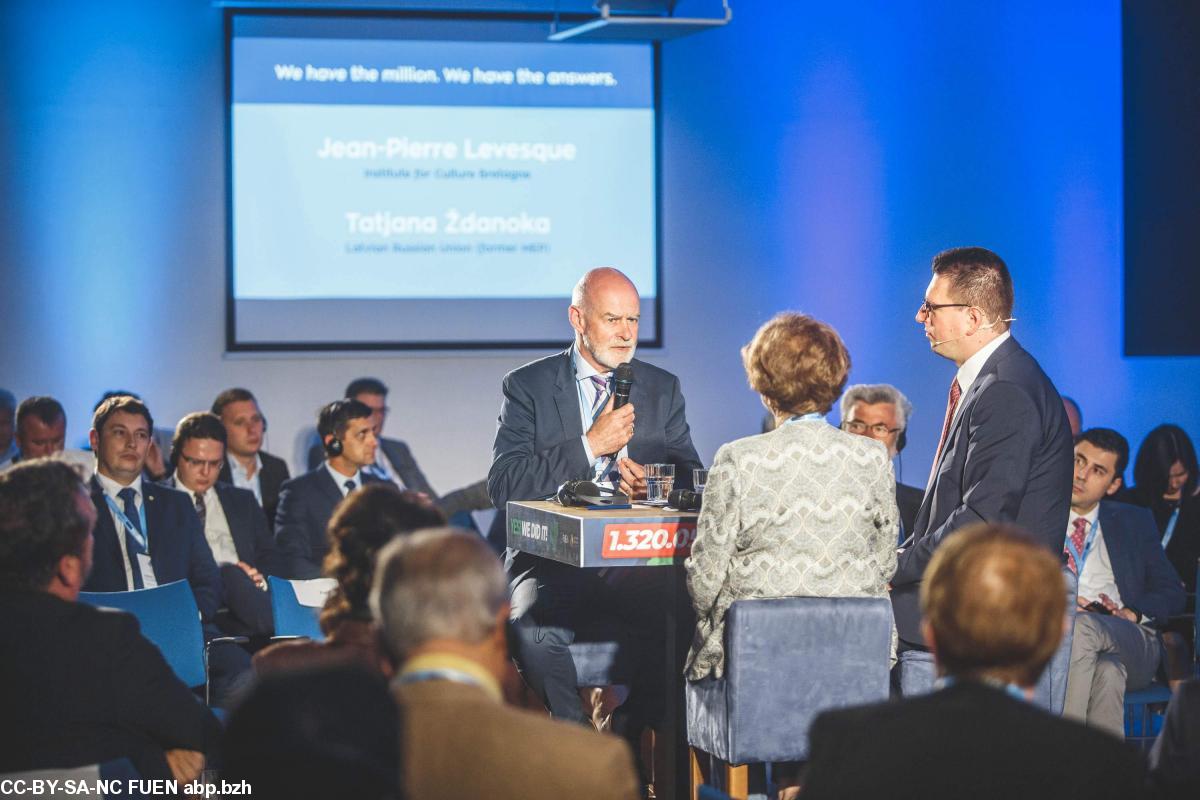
(557, 423)
(1126, 586)
(1005, 450)
(441, 602)
(307, 502)
(234, 524)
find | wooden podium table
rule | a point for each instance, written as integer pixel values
(643, 536)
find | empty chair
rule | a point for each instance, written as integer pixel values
(296, 606)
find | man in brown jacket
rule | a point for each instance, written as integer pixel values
(441, 599)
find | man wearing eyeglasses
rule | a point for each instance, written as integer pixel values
(881, 412)
(234, 524)
(1005, 452)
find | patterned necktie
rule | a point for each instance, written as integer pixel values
(201, 510)
(1078, 537)
(133, 544)
(600, 383)
(951, 405)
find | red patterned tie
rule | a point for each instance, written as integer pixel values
(951, 404)
(1078, 536)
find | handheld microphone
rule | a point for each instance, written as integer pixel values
(622, 383)
(685, 500)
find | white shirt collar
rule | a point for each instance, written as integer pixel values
(1090, 516)
(112, 488)
(181, 486)
(969, 371)
(583, 368)
(236, 467)
(340, 479)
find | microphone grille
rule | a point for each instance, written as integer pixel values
(623, 373)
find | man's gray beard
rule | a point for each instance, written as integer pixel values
(587, 344)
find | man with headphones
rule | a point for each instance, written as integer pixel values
(307, 502)
(881, 412)
(247, 465)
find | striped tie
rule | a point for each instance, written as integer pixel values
(600, 382)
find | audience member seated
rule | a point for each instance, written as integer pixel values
(1175, 758)
(247, 465)
(307, 502)
(79, 685)
(8, 412)
(155, 467)
(148, 534)
(993, 604)
(316, 734)
(359, 529)
(394, 461)
(1126, 584)
(1165, 477)
(441, 598)
(805, 510)
(882, 412)
(234, 524)
(42, 433)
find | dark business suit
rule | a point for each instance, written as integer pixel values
(255, 545)
(305, 505)
(81, 685)
(538, 446)
(178, 549)
(908, 500)
(969, 740)
(1007, 458)
(271, 477)
(1147, 584)
(398, 455)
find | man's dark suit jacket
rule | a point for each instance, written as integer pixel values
(271, 478)
(1145, 578)
(305, 505)
(539, 443)
(252, 538)
(908, 500)
(398, 455)
(80, 685)
(1007, 458)
(178, 549)
(966, 741)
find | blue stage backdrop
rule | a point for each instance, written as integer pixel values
(814, 156)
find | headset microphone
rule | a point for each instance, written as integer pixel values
(989, 325)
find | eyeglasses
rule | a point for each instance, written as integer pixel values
(926, 308)
(200, 463)
(879, 430)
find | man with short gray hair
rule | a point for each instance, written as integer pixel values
(441, 599)
(881, 412)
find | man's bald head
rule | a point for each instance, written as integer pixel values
(604, 312)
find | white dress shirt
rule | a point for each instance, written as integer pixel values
(216, 525)
(112, 488)
(970, 369)
(242, 479)
(586, 390)
(1096, 577)
(341, 479)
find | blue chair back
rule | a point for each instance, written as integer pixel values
(291, 618)
(169, 618)
(786, 661)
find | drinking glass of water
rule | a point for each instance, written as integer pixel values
(699, 478)
(660, 478)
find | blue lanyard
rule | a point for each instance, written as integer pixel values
(130, 528)
(1087, 547)
(1011, 689)
(1166, 540)
(442, 674)
(805, 418)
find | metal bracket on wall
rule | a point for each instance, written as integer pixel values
(618, 24)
